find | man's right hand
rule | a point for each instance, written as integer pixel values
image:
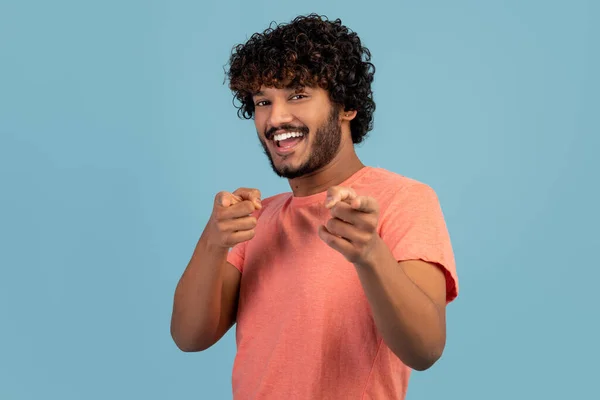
(231, 221)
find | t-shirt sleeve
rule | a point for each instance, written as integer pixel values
(414, 228)
(236, 255)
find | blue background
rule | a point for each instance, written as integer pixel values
(117, 131)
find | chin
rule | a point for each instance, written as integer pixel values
(287, 172)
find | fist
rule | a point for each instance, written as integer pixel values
(231, 221)
(352, 228)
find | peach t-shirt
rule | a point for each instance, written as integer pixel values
(304, 326)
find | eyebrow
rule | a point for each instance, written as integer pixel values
(295, 89)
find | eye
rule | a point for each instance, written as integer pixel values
(298, 97)
(261, 103)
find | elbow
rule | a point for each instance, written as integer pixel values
(189, 347)
(188, 343)
(426, 359)
(420, 359)
(424, 363)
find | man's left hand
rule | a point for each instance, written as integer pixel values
(352, 230)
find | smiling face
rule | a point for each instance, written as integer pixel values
(299, 129)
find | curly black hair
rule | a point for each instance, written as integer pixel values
(309, 51)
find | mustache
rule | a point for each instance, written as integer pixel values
(287, 128)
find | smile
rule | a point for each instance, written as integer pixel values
(286, 143)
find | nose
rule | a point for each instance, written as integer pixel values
(279, 115)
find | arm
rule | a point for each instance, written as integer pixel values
(408, 301)
(206, 296)
(407, 298)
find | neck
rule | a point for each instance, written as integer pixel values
(345, 164)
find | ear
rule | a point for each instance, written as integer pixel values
(348, 115)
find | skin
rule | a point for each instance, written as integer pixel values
(310, 108)
(206, 296)
(407, 298)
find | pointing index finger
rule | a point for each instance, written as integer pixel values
(335, 194)
(250, 194)
(226, 199)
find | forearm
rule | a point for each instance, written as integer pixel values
(409, 321)
(197, 303)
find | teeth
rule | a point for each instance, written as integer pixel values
(283, 136)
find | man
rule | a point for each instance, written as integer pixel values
(339, 288)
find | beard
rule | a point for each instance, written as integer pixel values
(323, 150)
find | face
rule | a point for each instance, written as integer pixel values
(300, 130)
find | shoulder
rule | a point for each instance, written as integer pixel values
(387, 187)
(271, 203)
